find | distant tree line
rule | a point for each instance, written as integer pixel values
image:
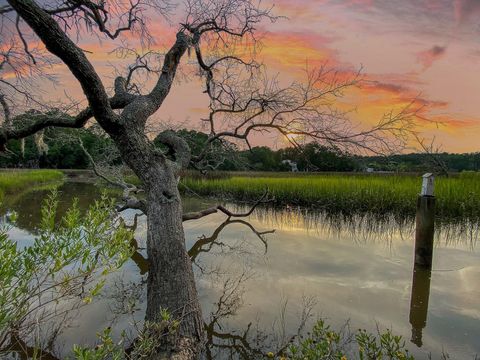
(60, 148)
(420, 162)
(54, 148)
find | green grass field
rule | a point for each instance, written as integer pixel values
(12, 181)
(457, 197)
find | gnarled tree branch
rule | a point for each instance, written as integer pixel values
(130, 201)
(6, 110)
(57, 119)
(59, 44)
(205, 244)
(199, 214)
(178, 148)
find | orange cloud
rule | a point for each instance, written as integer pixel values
(377, 95)
(292, 51)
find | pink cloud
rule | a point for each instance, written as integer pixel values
(428, 57)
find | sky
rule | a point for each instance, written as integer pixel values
(427, 50)
(422, 50)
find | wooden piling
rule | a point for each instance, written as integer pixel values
(425, 223)
(422, 268)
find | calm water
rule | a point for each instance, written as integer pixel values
(356, 270)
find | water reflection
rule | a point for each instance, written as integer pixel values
(27, 204)
(366, 228)
(419, 301)
(21, 350)
(137, 257)
(220, 344)
(205, 244)
(357, 267)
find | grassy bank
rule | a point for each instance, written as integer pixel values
(457, 197)
(12, 181)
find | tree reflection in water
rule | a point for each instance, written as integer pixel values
(19, 349)
(230, 300)
(249, 343)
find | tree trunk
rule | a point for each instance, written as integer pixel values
(171, 283)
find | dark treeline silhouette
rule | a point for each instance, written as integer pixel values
(62, 150)
(422, 161)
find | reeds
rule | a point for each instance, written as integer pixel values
(457, 197)
(12, 181)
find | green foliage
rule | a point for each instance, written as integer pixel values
(14, 181)
(262, 158)
(64, 151)
(312, 157)
(149, 341)
(323, 343)
(107, 349)
(470, 175)
(68, 261)
(457, 197)
(315, 157)
(384, 346)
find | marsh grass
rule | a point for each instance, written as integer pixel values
(457, 197)
(12, 181)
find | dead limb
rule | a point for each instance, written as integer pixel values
(199, 214)
(130, 201)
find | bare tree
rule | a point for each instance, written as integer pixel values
(433, 155)
(243, 100)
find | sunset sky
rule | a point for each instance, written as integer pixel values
(428, 50)
(424, 49)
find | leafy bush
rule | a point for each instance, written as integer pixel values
(325, 344)
(147, 343)
(67, 263)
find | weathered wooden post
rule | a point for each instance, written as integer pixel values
(425, 223)
(422, 268)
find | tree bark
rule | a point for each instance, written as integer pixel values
(171, 282)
